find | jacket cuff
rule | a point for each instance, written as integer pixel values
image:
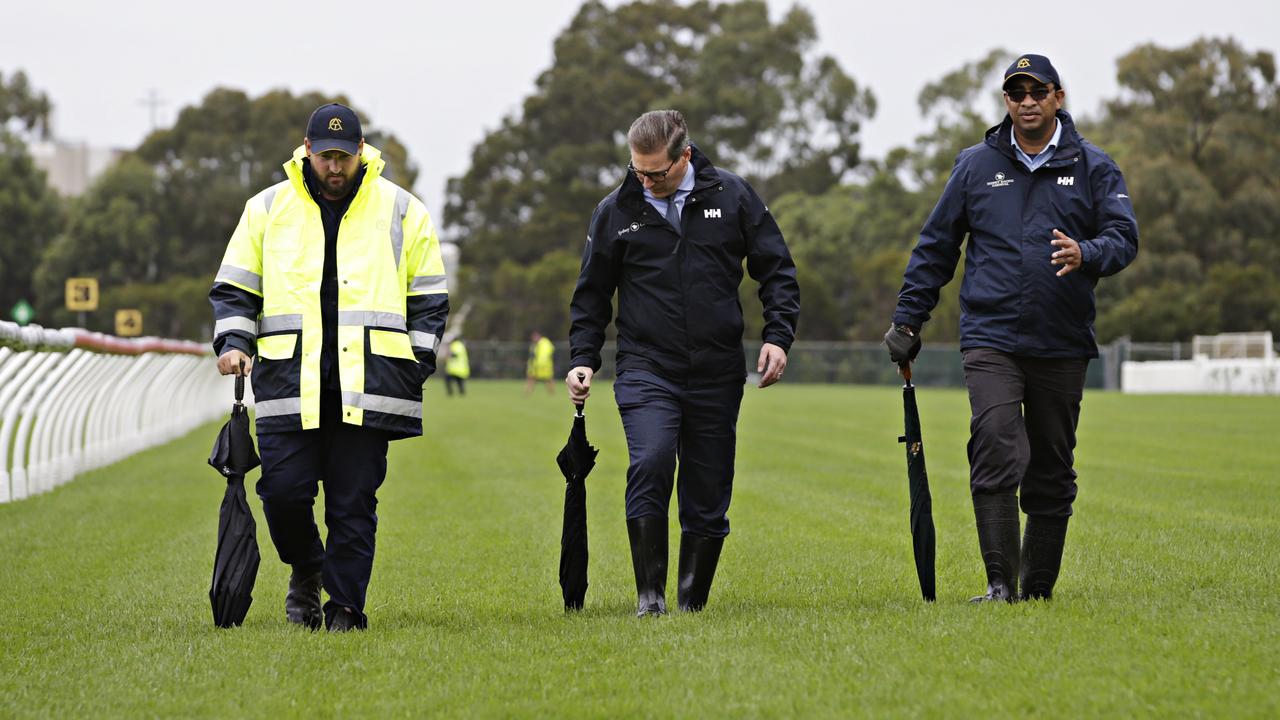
(1089, 256)
(779, 340)
(586, 361)
(426, 364)
(901, 318)
(232, 341)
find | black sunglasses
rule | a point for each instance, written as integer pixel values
(1038, 94)
(654, 175)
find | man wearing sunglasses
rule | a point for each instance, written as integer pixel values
(1046, 215)
(670, 242)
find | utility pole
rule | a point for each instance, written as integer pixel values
(153, 102)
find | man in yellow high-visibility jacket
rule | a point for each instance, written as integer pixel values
(541, 365)
(457, 367)
(334, 282)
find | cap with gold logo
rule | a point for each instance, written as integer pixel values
(334, 127)
(1036, 67)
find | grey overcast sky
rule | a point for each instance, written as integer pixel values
(440, 74)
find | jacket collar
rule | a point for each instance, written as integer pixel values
(705, 175)
(1000, 137)
(371, 158)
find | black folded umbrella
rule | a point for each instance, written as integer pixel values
(576, 460)
(235, 565)
(922, 533)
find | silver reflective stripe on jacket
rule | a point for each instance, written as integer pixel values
(383, 404)
(370, 318)
(424, 340)
(240, 276)
(281, 406)
(429, 283)
(275, 323)
(268, 197)
(397, 224)
(245, 325)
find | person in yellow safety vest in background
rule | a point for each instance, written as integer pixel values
(457, 368)
(542, 365)
(332, 293)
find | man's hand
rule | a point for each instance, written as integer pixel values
(229, 363)
(579, 382)
(1069, 255)
(904, 344)
(773, 360)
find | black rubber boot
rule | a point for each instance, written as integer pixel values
(698, 559)
(648, 537)
(1042, 555)
(997, 517)
(302, 603)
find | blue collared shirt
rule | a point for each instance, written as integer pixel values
(679, 196)
(1044, 156)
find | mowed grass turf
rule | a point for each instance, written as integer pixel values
(1167, 603)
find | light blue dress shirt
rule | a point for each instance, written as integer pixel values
(1044, 156)
(679, 196)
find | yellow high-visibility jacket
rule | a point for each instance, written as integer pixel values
(457, 365)
(392, 302)
(541, 363)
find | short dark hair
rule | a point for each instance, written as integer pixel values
(659, 130)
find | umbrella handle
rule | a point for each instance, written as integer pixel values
(906, 372)
(581, 405)
(240, 385)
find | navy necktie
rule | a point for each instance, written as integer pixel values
(673, 213)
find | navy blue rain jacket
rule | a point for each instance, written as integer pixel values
(1011, 298)
(678, 310)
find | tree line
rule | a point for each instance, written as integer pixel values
(1194, 129)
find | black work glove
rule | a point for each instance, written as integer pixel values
(903, 342)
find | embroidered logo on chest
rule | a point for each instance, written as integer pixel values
(1000, 181)
(630, 228)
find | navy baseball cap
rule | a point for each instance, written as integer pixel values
(1036, 67)
(334, 127)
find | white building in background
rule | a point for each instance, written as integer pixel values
(72, 166)
(1227, 364)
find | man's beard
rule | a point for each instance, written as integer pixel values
(337, 191)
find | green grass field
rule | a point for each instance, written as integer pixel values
(1168, 602)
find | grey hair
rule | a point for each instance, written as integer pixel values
(659, 130)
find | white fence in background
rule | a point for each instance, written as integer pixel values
(1228, 364)
(72, 400)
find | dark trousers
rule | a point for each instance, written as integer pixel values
(352, 462)
(1023, 427)
(451, 380)
(697, 425)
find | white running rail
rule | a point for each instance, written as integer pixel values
(73, 400)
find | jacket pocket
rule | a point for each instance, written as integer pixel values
(277, 347)
(391, 344)
(282, 239)
(390, 367)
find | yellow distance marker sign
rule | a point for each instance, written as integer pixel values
(82, 294)
(128, 323)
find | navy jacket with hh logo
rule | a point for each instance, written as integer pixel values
(678, 310)
(1011, 298)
